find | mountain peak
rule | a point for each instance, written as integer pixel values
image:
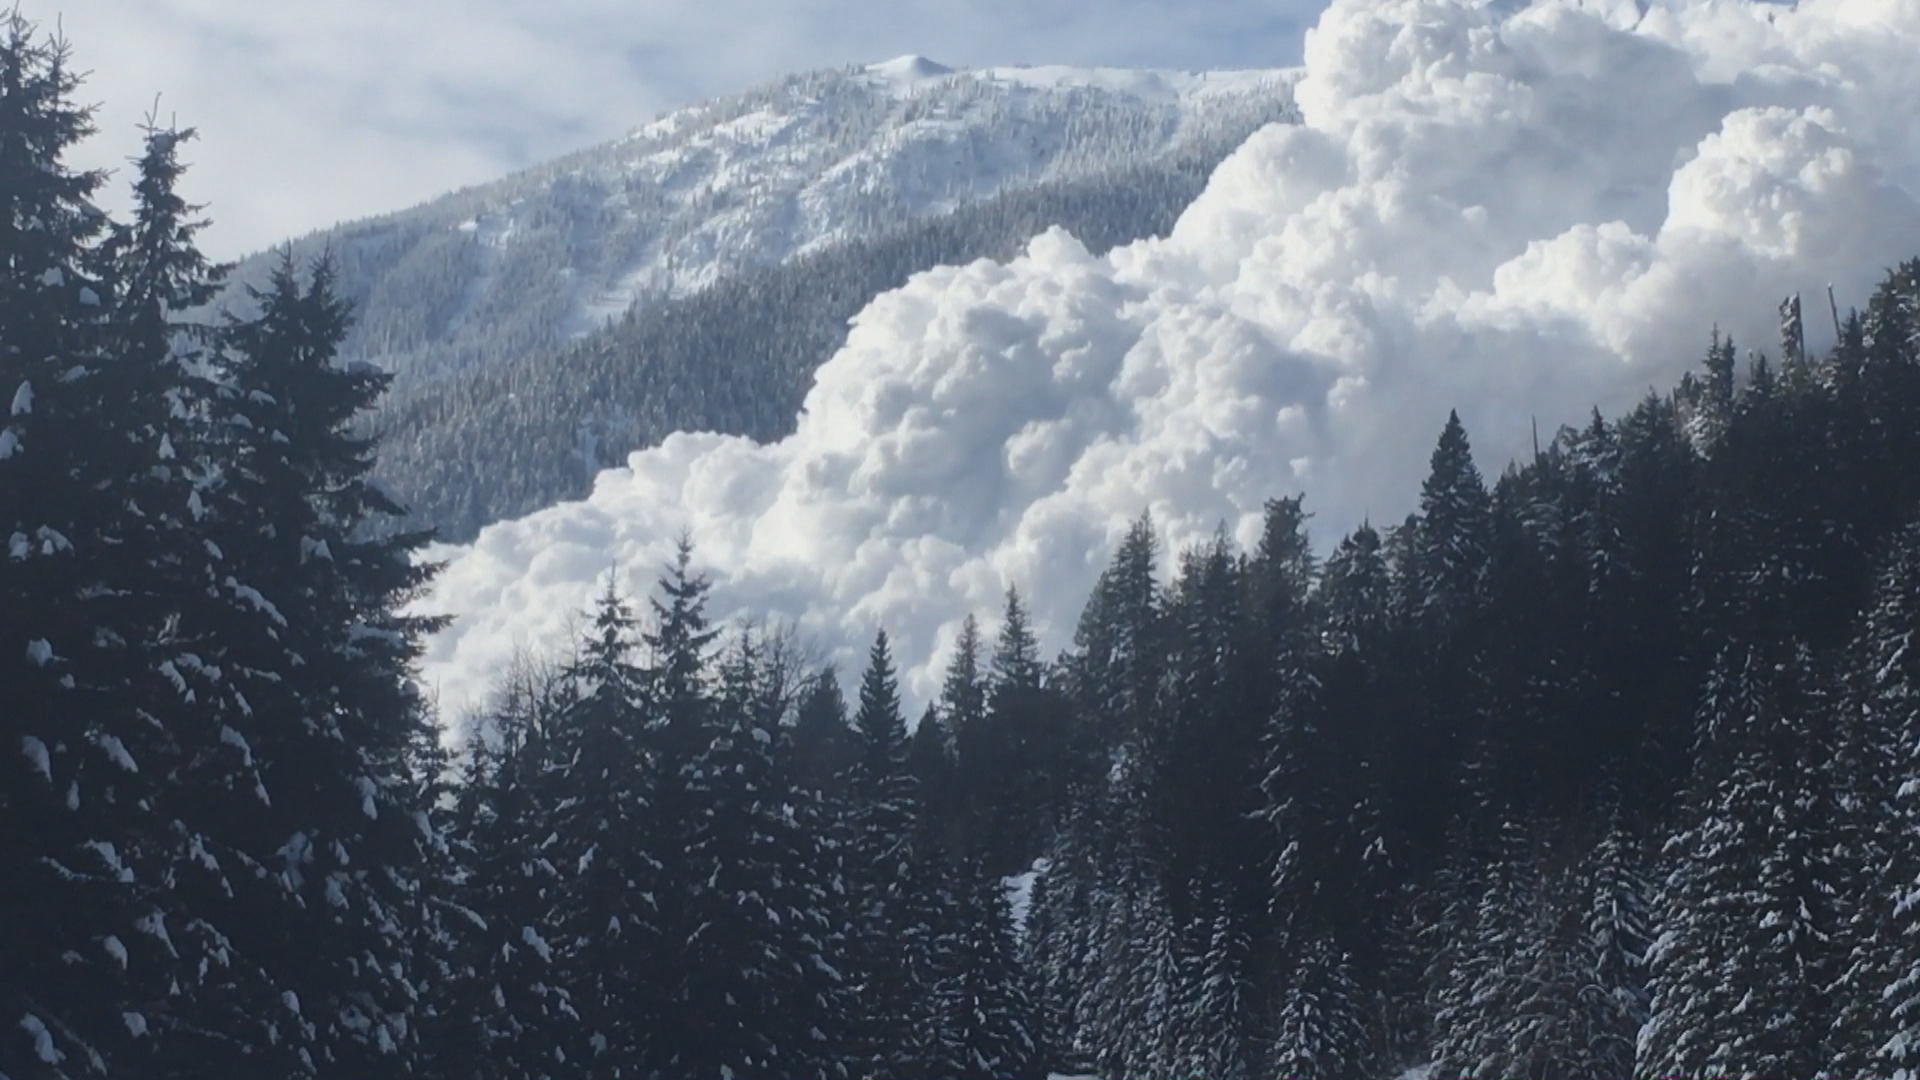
(909, 68)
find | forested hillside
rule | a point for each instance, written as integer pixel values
(736, 357)
(1604, 768)
(693, 275)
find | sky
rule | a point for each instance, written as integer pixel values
(311, 113)
(1522, 210)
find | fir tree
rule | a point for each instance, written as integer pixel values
(1740, 957)
(891, 966)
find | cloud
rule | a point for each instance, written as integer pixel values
(311, 113)
(1523, 213)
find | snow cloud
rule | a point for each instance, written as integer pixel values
(311, 113)
(1519, 211)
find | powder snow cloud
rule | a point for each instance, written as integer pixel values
(1519, 211)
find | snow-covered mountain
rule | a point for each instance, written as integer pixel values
(499, 270)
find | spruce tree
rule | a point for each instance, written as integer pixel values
(1879, 987)
(1455, 530)
(1739, 961)
(760, 989)
(892, 962)
(597, 836)
(83, 946)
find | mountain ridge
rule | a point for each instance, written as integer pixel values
(550, 253)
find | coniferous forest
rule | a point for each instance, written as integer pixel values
(1606, 766)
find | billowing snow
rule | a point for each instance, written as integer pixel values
(1522, 211)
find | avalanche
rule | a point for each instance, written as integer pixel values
(1522, 212)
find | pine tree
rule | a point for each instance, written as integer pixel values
(83, 856)
(823, 742)
(1879, 987)
(892, 963)
(983, 1016)
(1319, 1036)
(963, 694)
(507, 1012)
(759, 981)
(597, 838)
(321, 838)
(1455, 531)
(1739, 961)
(1118, 650)
(1012, 755)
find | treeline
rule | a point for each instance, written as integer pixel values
(1604, 770)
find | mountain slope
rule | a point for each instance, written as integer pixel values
(522, 264)
(736, 357)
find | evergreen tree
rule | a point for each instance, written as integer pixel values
(83, 946)
(823, 739)
(891, 966)
(597, 838)
(1012, 753)
(322, 836)
(1882, 949)
(983, 1016)
(759, 989)
(1740, 958)
(1455, 532)
(505, 1010)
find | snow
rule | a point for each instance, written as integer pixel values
(1521, 210)
(155, 927)
(23, 399)
(1020, 893)
(535, 942)
(36, 752)
(40, 652)
(110, 855)
(254, 597)
(116, 752)
(9, 443)
(233, 738)
(136, 1023)
(908, 69)
(43, 1047)
(116, 949)
(787, 168)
